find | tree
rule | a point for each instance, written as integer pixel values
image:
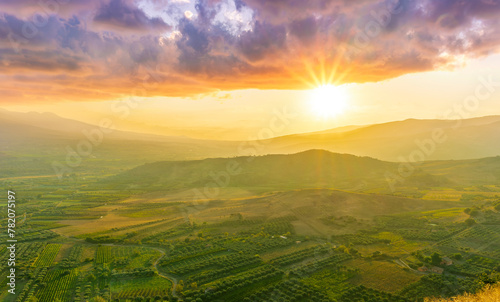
(91, 277)
(180, 286)
(470, 222)
(474, 212)
(436, 258)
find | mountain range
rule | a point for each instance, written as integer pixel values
(393, 141)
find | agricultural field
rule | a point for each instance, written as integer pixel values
(140, 287)
(48, 255)
(382, 275)
(85, 241)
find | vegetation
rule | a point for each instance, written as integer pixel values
(93, 237)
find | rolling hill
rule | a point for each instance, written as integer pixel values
(48, 137)
(464, 139)
(309, 169)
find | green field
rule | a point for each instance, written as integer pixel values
(98, 236)
(48, 255)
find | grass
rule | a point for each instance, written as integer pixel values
(382, 275)
(443, 195)
(333, 284)
(398, 246)
(445, 213)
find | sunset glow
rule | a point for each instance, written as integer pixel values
(328, 101)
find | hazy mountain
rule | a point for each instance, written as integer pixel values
(394, 141)
(47, 133)
(30, 144)
(52, 125)
(465, 139)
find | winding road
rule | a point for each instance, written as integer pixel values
(171, 278)
(165, 276)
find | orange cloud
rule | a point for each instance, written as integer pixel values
(101, 50)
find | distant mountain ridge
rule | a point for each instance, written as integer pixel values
(392, 141)
(464, 139)
(52, 125)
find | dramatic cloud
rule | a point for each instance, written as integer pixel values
(53, 50)
(122, 16)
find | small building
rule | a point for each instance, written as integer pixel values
(437, 270)
(423, 269)
(283, 237)
(446, 261)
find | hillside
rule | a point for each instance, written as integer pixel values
(465, 139)
(310, 169)
(393, 141)
(474, 171)
(49, 138)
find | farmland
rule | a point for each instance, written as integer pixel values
(85, 240)
(48, 255)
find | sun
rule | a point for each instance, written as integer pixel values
(328, 101)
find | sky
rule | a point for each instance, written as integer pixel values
(223, 68)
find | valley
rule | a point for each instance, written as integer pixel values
(280, 228)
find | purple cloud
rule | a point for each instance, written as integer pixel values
(119, 14)
(107, 46)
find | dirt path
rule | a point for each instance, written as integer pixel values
(171, 278)
(168, 277)
(163, 253)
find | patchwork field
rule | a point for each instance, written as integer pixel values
(85, 242)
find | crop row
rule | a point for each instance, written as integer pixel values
(48, 255)
(315, 265)
(227, 269)
(289, 290)
(234, 284)
(73, 258)
(142, 292)
(25, 252)
(299, 255)
(58, 285)
(362, 293)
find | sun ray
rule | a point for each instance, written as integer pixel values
(328, 101)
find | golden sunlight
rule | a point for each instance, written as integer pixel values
(328, 101)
